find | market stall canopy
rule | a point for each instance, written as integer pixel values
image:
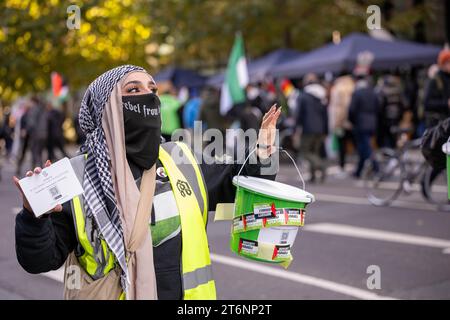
(341, 57)
(180, 77)
(261, 67)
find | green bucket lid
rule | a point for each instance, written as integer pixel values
(273, 189)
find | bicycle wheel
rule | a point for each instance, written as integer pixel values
(435, 188)
(383, 177)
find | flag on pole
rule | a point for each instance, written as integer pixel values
(57, 83)
(236, 77)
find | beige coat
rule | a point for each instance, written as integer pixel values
(340, 97)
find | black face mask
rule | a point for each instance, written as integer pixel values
(142, 119)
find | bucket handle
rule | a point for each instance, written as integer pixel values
(278, 148)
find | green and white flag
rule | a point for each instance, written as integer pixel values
(236, 77)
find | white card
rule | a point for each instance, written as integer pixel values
(54, 185)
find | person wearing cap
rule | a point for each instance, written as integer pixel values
(437, 93)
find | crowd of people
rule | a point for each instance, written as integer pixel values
(35, 125)
(328, 118)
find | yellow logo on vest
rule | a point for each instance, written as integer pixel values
(184, 188)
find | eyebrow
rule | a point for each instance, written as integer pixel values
(138, 82)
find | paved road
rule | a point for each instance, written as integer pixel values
(344, 235)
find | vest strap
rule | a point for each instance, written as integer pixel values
(196, 262)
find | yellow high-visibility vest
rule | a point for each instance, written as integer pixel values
(190, 193)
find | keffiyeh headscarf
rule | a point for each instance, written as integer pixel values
(98, 187)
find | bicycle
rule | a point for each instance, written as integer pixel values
(390, 173)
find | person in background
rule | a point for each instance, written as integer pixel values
(34, 127)
(6, 132)
(254, 95)
(210, 110)
(391, 111)
(170, 106)
(268, 94)
(55, 137)
(6, 137)
(340, 97)
(431, 146)
(191, 111)
(437, 93)
(363, 113)
(312, 120)
(37, 126)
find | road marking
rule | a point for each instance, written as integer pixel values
(304, 279)
(363, 201)
(414, 187)
(373, 234)
(57, 275)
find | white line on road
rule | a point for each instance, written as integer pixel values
(373, 234)
(292, 276)
(414, 187)
(363, 201)
(58, 275)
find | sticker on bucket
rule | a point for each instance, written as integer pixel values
(262, 210)
(251, 249)
(282, 252)
(283, 217)
(248, 247)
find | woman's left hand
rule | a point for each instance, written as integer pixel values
(267, 132)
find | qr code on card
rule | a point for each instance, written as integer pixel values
(54, 192)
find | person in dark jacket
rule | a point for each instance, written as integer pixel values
(210, 110)
(363, 112)
(392, 109)
(55, 139)
(432, 141)
(44, 244)
(312, 118)
(437, 93)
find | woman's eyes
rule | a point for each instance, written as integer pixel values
(133, 90)
(136, 90)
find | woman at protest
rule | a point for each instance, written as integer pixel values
(138, 230)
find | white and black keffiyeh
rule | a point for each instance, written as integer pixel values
(98, 187)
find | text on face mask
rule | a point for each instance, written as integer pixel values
(141, 109)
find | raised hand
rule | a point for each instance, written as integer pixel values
(267, 132)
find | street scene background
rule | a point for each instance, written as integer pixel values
(359, 83)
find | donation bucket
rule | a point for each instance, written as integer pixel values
(267, 216)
